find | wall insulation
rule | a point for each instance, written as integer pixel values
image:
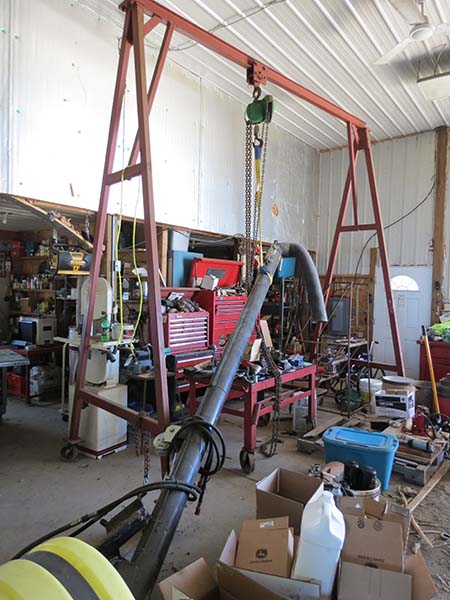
(405, 174)
(57, 72)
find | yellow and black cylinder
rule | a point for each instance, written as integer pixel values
(62, 568)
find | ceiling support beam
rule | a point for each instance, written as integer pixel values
(440, 201)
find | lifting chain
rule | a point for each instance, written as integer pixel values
(253, 214)
(248, 204)
(257, 214)
(142, 441)
(269, 448)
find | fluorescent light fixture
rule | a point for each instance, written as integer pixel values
(436, 86)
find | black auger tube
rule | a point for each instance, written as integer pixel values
(306, 269)
(142, 573)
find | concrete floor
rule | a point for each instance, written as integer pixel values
(39, 492)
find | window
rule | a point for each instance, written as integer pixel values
(404, 283)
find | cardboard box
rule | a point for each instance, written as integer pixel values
(195, 582)
(266, 546)
(284, 493)
(380, 541)
(376, 509)
(373, 543)
(245, 585)
(423, 587)
(357, 582)
(253, 351)
(394, 403)
(264, 325)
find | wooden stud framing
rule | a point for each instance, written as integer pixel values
(442, 135)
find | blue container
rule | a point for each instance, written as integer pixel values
(367, 448)
(286, 267)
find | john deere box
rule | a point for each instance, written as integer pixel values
(266, 546)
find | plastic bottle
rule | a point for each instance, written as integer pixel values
(322, 536)
(105, 328)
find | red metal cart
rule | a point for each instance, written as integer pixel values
(258, 402)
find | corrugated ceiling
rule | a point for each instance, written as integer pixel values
(327, 45)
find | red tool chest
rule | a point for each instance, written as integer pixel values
(440, 355)
(224, 313)
(186, 332)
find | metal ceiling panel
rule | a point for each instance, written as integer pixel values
(327, 45)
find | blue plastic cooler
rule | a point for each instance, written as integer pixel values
(367, 448)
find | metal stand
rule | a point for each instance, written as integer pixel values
(359, 141)
(134, 32)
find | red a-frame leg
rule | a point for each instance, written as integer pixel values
(359, 141)
(133, 36)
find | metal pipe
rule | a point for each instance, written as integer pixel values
(142, 572)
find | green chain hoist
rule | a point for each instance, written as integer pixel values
(260, 110)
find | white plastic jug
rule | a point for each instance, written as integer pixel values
(321, 539)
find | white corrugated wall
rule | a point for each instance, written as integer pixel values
(57, 71)
(405, 172)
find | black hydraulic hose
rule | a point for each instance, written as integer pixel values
(306, 269)
(142, 572)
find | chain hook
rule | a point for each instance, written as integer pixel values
(256, 92)
(257, 139)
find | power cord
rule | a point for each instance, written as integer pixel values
(410, 212)
(192, 492)
(233, 21)
(214, 452)
(214, 460)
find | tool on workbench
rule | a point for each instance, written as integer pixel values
(431, 370)
(416, 444)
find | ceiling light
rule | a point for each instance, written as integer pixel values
(421, 31)
(435, 86)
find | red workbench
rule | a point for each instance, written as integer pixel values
(256, 406)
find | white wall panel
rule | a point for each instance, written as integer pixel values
(405, 171)
(58, 62)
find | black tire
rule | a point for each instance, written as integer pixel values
(247, 461)
(69, 453)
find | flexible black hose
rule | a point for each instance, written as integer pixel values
(306, 269)
(90, 518)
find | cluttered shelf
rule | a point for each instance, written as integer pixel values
(33, 291)
(30, 258)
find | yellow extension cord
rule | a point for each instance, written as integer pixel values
(141, 295)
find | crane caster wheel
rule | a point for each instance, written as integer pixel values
(264, 420)
(247, 460)
(69, 453)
